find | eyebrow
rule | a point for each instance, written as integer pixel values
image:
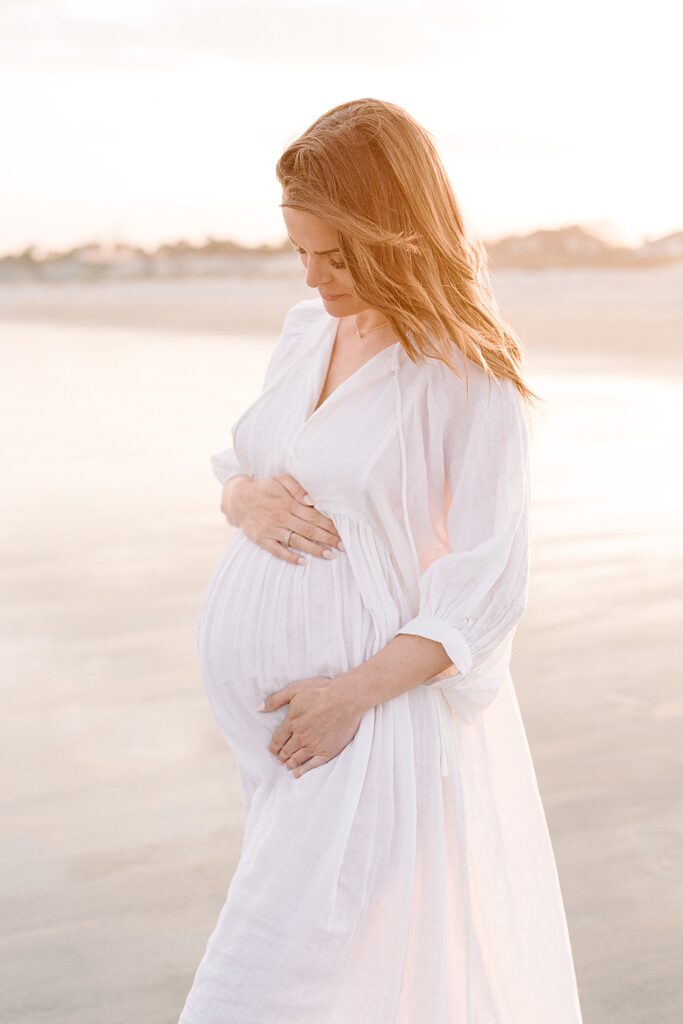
(325, 252)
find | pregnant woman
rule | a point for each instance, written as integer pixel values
(355, 637)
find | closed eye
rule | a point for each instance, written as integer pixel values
(333, 263)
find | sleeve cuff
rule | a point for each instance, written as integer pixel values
(453, 641)
(225, 465)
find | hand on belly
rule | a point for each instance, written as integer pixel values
(320, 722)
(277, 514)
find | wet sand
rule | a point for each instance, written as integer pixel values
(123, 814)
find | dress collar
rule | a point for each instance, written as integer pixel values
(378, 365)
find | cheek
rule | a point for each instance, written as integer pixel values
(345, 280)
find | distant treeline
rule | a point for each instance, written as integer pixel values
(572, 246)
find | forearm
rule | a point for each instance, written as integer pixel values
(405, 662)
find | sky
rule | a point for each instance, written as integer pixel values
(147, 121)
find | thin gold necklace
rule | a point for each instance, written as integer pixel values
(370, 330)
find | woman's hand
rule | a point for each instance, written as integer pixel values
(321, 720)
(265, 510)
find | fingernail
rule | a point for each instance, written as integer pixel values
(308, 499)
(262, 706)
(341, 546)
(328, 554)
(301, 561)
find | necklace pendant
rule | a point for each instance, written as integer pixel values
(375, 328)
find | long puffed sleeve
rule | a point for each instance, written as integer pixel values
(472, 598)
(225, 465)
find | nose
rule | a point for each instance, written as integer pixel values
(317, 273)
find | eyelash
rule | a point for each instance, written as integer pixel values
(335, 266)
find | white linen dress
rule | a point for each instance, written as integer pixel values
(411, 879)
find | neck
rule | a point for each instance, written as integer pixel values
(368, 319)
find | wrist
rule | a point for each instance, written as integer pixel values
(355, 687)
(229, 506)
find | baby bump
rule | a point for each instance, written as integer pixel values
(265, 622)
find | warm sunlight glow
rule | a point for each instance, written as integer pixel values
(143, 123)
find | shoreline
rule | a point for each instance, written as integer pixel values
(605, 321)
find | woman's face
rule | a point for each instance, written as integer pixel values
(317, 243)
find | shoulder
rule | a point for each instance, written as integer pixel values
(299, 331)
(469, 400)
(303, 317)
(467, 386)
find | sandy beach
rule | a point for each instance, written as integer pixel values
(123, 814)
